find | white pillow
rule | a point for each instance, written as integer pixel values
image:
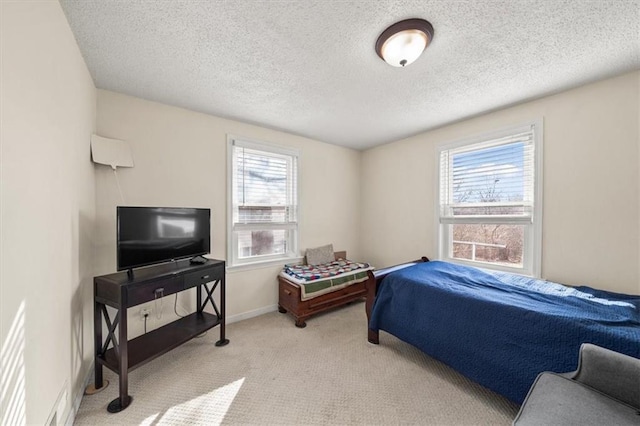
(320, 255)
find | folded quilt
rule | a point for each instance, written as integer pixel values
(315, 280)
(305, 273)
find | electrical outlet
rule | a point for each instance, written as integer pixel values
(145, 312)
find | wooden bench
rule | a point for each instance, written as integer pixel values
(290, 297)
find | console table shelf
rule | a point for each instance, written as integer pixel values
(124, 290)
(151, 345)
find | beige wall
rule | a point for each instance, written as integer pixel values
(181, 160)
(591, 186)
(48, 106)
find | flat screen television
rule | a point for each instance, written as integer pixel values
(150, 235)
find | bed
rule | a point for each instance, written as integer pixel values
(306, 290)
(500, 330)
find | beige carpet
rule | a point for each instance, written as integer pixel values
(275, 373)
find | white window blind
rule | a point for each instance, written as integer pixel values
(493, 179)
(264, 203)
(488, 209)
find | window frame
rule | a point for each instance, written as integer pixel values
(233, 260)
(532, 244)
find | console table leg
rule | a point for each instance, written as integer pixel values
(99, 383)
(97, 343)
(223, 341)
(124, 399)
(118, 405)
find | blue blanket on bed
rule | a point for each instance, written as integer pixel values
(499, 329)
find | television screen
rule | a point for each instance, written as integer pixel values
(148, 235)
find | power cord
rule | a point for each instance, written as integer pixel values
(145, 322)
(113, 167)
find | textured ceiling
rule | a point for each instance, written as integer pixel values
(309, 67)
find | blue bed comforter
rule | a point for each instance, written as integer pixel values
(499, 329)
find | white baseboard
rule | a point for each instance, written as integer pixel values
(71, 417)
(251, 314)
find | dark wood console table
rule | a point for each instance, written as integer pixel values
(147, 284)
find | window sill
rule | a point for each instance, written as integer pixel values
(263, 264)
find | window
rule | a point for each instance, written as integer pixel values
(490, 200)
(263, 216)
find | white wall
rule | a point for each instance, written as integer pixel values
(48, 106)
(591, 212)
(181, 160)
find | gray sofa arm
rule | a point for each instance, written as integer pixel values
(609, 372)
(605, 389)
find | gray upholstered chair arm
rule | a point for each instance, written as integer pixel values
(609, 372)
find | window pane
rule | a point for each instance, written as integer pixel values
(489, 175)
(499, 244)
(262, 178)
(261, 243)
(264, 186)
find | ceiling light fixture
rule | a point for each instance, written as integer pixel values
(403, 42)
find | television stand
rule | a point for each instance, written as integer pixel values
(121, 291)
